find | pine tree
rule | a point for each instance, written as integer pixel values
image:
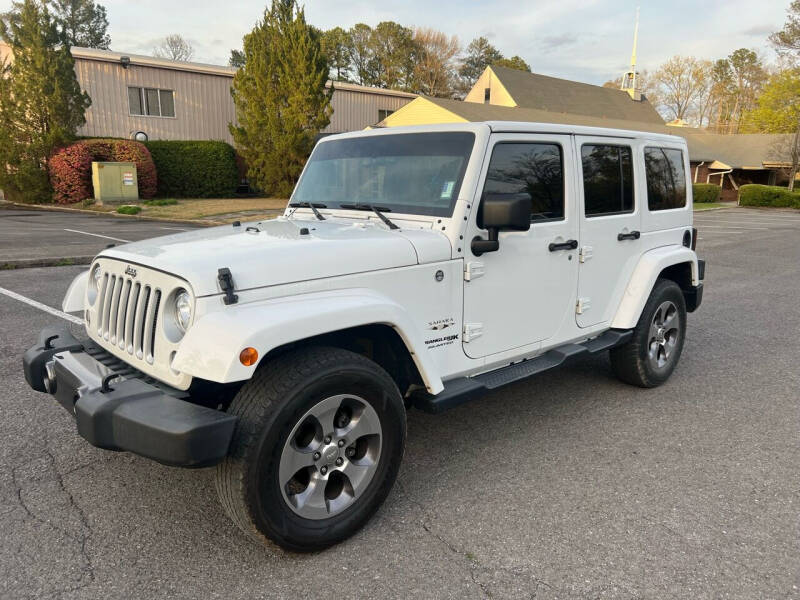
(41, 103)
(281, 100)
(83, 22)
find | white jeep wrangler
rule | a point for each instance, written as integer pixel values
(413, 267)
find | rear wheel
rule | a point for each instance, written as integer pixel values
(316, 451)
(652, 354)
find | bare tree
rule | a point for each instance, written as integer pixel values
(174, 47)
(681, 82)
(435, 70)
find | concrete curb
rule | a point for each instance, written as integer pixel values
(7, 205)
(28, 263)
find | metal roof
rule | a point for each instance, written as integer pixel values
(194, 67)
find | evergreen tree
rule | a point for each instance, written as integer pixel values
(336, 44)
(41, 103)
(480, 54)
(515, 62)
(83, 22)
(281, 100)
(236, 59)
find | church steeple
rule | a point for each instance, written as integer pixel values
(629, 79)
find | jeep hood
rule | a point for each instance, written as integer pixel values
(276, 252)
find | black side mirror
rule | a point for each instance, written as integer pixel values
(499, 212)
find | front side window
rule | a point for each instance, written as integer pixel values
(666, 178)
(607, 179)
(536, 169)
(151, 102)
(412, 173)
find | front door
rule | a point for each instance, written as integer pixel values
(610, 223)
(523, 293)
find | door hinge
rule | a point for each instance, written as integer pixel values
(472, 331)
(473, 270)
(585, 253)
(583, 305)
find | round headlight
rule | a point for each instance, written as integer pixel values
(94, 283)
(183, 310)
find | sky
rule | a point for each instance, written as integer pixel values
(584, 40)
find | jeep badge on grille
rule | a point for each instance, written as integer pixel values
(130, 271)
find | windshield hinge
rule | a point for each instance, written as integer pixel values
(226, 285)
(473, 270)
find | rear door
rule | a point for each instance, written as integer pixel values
(610, 225)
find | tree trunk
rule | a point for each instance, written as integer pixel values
(795, 158)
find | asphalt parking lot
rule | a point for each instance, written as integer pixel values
(570, 485)
(51, 236)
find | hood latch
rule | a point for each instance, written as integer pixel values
(226, 284)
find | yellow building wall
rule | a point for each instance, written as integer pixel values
(421, 112)
(498, 95)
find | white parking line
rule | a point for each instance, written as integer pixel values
(40, 306)
(108, 237)
(175, 228)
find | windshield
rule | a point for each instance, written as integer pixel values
(415, 173)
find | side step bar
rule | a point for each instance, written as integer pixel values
(464, 389)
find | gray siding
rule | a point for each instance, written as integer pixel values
(355, 110)
(203, 104)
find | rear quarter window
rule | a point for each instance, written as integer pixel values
(666, 178)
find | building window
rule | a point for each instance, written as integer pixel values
(666, 178)
(487, 95)
(383, 113)
(151, 102)
(533, 169)
(607, 179)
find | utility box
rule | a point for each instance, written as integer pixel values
(115, 181)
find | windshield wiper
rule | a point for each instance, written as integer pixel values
(378, 210)
(313, 206)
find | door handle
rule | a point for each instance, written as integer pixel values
(633, 235)
(568, 245)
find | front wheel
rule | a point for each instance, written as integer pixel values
(316, 451)
(652, 354)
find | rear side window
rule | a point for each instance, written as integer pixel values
(607, 179)
(536, 169)
(666, 178)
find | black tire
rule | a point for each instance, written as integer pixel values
(633, 362)
(269, 408)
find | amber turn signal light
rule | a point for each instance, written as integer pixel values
(248, 357)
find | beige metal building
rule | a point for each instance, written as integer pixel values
(167, 99)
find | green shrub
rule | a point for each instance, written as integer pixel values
(705, 192)
(129, 209)
(195, 169)
(162, 202)
(768, 195)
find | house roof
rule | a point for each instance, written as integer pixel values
(531, 90)
(738, 151)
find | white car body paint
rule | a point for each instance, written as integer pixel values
(351, 270)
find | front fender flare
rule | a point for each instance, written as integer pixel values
(75, 298)
(210, 350)
(644, 278)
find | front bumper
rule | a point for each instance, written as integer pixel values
(116, 409)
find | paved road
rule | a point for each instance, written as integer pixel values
(38, 234)
(571, 485)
